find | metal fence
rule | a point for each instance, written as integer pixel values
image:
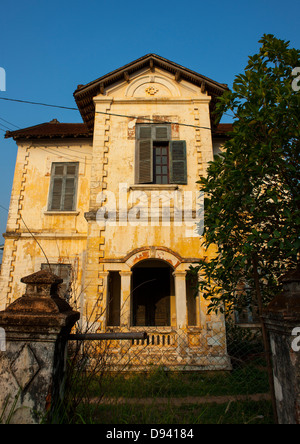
(168, 369)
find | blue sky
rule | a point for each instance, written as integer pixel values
(48, 48)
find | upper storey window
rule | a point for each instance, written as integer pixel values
(159, 160)
(63, 186)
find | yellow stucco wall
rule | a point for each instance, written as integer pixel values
(94, 247)
(148, 95)
(105, 163)
(61, 236)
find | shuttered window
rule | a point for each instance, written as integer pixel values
(159, 160)
(178, 170)
(63, 187)
(145, 161)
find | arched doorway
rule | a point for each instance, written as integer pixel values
(152, 288)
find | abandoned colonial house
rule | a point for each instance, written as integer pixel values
(112, 205)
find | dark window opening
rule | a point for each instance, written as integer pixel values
(151, 289)
(191, 301)
(161, 163)
(114, 299)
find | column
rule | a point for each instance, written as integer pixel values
(180, 297)
(125, 298)
(103, 287)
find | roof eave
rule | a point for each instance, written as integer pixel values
(85, 93)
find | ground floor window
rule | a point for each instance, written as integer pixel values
(114, 299)
(191, 299)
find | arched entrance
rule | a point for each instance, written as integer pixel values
(152, 290)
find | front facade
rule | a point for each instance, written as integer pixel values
(112, 205)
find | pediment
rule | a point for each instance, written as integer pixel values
(151, 85)
(162, 78)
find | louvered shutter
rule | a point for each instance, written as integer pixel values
(145, 161)
(161, 132)
(144, 132)
(178, 162)
(63, 186)
(69, 194)
(56, 193)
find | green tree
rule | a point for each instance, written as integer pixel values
(252, 189)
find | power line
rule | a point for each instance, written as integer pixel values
(29, 231)
(4, 126)
(65, 156)
(99, 112)
(12, 124)
(3, 208)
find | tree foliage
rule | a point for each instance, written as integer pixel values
(252, 189)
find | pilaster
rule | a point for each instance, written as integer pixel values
(180, 297)
(125, 298)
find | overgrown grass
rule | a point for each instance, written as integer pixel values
(249, 379)
(248, 412)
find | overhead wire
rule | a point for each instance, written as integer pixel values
(11, 124)
(72, 156)
(3, 208)
(99, 112)
(65, 156)
(30, 232)
(4, 126)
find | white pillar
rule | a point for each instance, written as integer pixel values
(125, 298)
(103, 315)
(180, 296)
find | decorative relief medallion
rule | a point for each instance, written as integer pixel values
(151, 90)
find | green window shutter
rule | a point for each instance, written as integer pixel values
(178, 162)
(162, 132)
(144, 161)
(69, 194)
(63, 186)
(144, 132)
(56, 193)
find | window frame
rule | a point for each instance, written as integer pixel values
(149, 133)
(156, 146)
(64, 177)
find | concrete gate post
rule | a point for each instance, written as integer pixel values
(282, 321)
(32, 362)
